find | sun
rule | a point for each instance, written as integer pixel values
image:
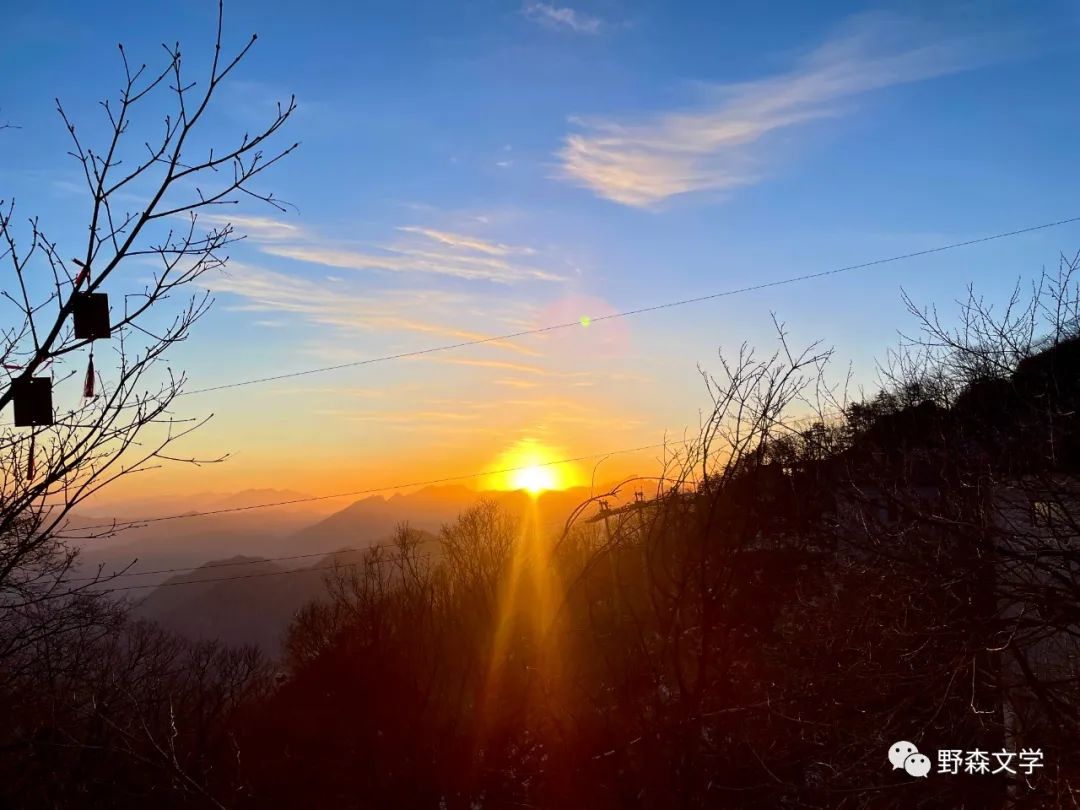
(535, 479)
(531, 466)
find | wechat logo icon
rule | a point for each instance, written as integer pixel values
(904, 755)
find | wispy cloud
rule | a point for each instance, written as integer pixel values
(716, 147)
(406, 259)
(421, 250)
(561, 17)
(335, 306)
(457, 240)
(258, 228)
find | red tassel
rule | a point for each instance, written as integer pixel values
(84, 273)
(30, 460)
(88, 384)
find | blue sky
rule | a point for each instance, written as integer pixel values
(480, 167)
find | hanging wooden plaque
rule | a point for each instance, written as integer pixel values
(91, 315)
(32, 400)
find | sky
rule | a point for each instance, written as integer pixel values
(477, 168)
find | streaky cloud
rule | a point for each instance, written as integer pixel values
(473, 243)
(403, 259)
(258, 228)
(264, 290)
(718, 147)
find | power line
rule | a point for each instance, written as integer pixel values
(108, 578)
(118, 526)
(121, 526)
(509, 336)
(640, 311)
(481, 341)
(255, 561)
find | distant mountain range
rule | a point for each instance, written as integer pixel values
(244, 597)
(242, 600)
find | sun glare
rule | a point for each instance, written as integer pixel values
(530, 466)
(535, 479)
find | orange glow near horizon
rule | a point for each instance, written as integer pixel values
(530, 464)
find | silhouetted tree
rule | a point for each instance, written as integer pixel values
(145, 195)
(82, 699)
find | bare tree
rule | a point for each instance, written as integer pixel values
(669, 609)
(1014, 506)
(146, 194)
